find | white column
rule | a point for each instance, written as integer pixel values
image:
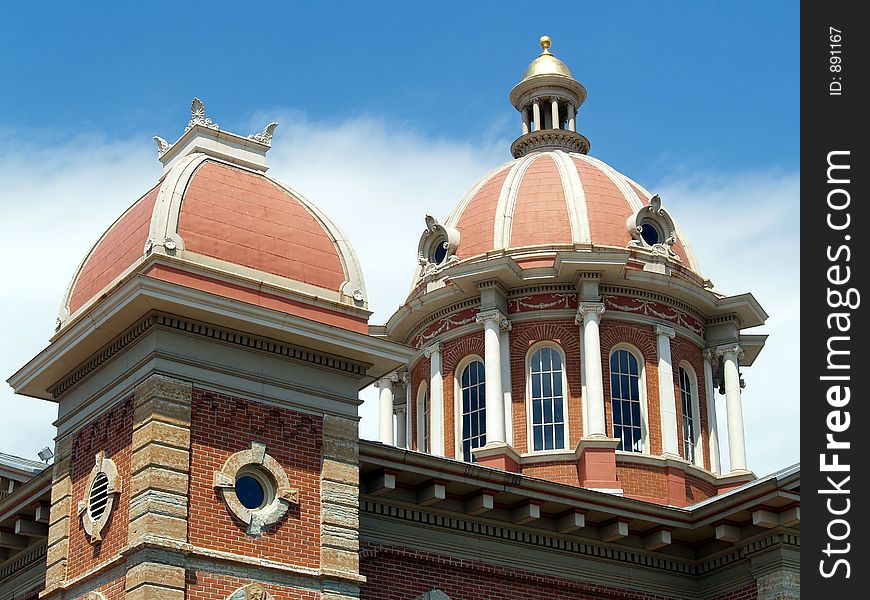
(713, 428)
(730, 354)
(589, 314)
(554, 103)
(385, 416)
(536, 115)
(493, 322)
(436, 401)
(571, 113)
(401, 428)
(667, 398)
(525, 112)
(504, 344)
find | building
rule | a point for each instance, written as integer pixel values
(547, 396)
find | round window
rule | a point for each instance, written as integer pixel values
(439, 252)
(649, 234)
(250, 492)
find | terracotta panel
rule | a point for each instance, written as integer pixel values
(540, 213)
(607, 207)
(246, 219)
(120, 247)
(477, 223)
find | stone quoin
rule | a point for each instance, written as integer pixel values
(547, 396)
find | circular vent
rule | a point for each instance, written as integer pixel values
(99, 496)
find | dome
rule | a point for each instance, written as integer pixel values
(552, 198)
(546, 63)
(216, 211)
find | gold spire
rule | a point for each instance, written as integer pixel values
(546, 63)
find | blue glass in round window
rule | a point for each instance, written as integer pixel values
(440, 252)
(649, 234)
(250, 492)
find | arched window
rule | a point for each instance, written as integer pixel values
(689, 413)
(547, 399)
(472, 387)
(422, 418)
(625, 400)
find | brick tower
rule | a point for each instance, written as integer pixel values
(206, 366)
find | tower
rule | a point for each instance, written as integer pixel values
(206, 365)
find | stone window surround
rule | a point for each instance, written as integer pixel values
(94, 527)
(255, 461)
(565, 393)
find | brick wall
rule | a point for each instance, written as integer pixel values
(567, 336)
(111, 433)
(643, 338)
(698, 489)
(643, 482)
(396, 573)
(419, 373)
(560, 472)
(451, 354)
(211, 586)
(747, 592)
(221, 426)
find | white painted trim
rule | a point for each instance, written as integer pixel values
(644, 405)
(565, 392)
(504, 212)
(457, 401)
(698, 460)
(575, 197)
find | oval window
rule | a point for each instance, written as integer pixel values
(439, 252)
(649, 234)
(250, 492)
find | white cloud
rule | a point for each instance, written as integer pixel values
(377, 181)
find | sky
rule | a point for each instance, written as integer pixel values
(391, 111)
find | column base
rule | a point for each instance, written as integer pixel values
(498, 455)
(596, 464)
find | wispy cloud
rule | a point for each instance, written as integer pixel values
(376, 180)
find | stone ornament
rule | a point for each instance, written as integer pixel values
(95, 596)
(437, 246)
(655, 216)
(254, 591)
(279, 498)
(197, 116)
(265, 136)
(101, 492)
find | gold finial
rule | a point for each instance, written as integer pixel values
(545, 43)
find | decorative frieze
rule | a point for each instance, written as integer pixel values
(536, 302)
(650, 308)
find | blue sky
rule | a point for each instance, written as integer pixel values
(388, 112)
(700, 82)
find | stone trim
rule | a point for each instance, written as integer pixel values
(254, 591)
(94, 527)
(200, 329)
(339, 498)
(616, 290)
(281, 497)
(418, 328)
(57, 544)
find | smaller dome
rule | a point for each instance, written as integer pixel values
(546, 63)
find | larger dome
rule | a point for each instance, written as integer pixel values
(552, 198)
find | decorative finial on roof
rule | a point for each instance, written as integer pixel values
(197, 116)
(265, 136)
(545, 43)
(162, 145)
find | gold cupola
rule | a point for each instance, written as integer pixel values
(548, 98)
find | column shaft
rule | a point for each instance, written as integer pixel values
(493, 321)
(590, 312)
(734, 409)
(525, 112)
(385, 417)
(536, 115)
(667, 397)
(504, 344)
(713, 428)
(436, 401)
(555, 106)
(572, 126)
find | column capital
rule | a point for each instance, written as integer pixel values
(387, 380)
(494, 314)
(710, 356)
(429, 351)
(732, 348)
(596, 308)
(665, 330)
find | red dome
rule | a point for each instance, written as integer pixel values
(551, 198)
